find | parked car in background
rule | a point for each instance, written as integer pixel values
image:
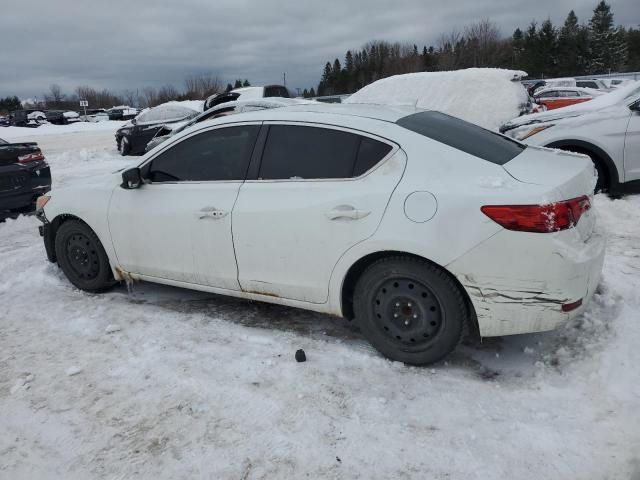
(248, 93)
(221, 110)
(94, 115)
(61, 117)
(343, 209)
(24, 176)
(132, 138)
(618, 82)
(488, 97)
(122, 112)
(558, 97)
(27, 118)
(594, 83)
(607, 129)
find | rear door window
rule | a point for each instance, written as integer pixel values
(301, 152)
(463, 136)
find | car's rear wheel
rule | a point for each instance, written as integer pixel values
(410, 310)
(125, 146)
(82, 257)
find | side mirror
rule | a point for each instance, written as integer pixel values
(635, 107)
(131, 179)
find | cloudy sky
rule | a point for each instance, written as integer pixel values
(120, 44)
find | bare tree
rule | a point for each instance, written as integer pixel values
(167, 93)
(129, 97)
(450, 50)
(149, 96)
(482, 43)
(56, 93)
(201, 86)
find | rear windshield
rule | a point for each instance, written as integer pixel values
(464, 136)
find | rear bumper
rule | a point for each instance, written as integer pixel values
(518, 282)
(34, 180)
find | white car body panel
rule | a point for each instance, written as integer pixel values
(183, 240)
(288, 251)
(276, 221)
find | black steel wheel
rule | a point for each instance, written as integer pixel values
(82, 257)
(410, 310)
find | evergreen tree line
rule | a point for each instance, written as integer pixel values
(9, 104)
(542, 50)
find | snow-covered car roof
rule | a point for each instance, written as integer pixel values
(485, 96)
(624, 95)
(249, 93)
(169, 112)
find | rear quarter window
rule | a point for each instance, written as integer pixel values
(464, 136)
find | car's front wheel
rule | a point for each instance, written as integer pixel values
(410, 310)
(82, 257)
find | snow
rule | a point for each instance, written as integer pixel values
(17, 133)
(170, 111)
(194, 385)
(484, 96)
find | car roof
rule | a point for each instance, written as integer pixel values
(377, 112)
(588, 91)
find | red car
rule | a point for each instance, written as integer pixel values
(558, 97)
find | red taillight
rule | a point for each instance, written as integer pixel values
(570, 307)
(31, 157)
(552, 217)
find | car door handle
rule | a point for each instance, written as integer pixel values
(211, 212)
(346, 212)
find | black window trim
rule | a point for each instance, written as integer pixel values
(256, 161)
(146, 164)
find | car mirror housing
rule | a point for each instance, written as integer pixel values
(131, 179)
(635, 107)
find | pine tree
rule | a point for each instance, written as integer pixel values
(246, 83)
(517, 46)
(305, 93)
(548, 47)
(312, 92)
(229, 87)
(633, 53)
(569, 61)
(238, 84)
(608, 46)
(348, 62)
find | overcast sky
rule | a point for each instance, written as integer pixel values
(119, 44)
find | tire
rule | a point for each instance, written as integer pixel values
(602, 185)
(82, 257)
(125, 146)
(410, 310)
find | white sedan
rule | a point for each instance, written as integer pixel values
(419, 225)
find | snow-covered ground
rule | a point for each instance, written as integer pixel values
(19, 133)
(164, 383)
